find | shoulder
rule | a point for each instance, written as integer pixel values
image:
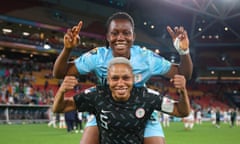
(145, 91)
(151, 91)
(96, 51)
(137, 50)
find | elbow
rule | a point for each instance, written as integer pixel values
(57, 75)
(185, 114)
(56, 109)
(188, 75)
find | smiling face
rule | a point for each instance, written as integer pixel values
(120, 37)
(120, 80)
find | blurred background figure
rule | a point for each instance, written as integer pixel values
(78, 122)
(199, 116)
(62, 123)
(166, 120)
(238, 118)
(70, 120)
(233, 117)
(225, 116)
(52, 118)
(218, 117)
(189, 120)
(213, 116)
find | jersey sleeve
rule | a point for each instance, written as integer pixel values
(158, 64)
(161, 103)
(84, 102)
(87, 62)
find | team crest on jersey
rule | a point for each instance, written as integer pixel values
(93, 51)
(137, 78)
(140, 112)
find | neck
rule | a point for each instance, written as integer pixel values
(125, 55)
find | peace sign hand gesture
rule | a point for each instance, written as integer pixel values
(180, 39)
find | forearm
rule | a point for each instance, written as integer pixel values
(182, 107)
(186, 66)
(58, 104)
(62, 104)
(61, 64)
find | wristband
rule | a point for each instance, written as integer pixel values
(176, 44)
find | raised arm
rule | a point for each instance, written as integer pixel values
(71, 40)
(62, 104)
(182, 107)
(181, 43)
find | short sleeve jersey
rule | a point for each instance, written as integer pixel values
(120, 122)
(145, 63)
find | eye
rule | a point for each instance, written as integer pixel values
(115, 78)
(127, 33)
(126, 78)
(114, 33)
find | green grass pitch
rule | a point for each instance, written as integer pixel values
(175, 134)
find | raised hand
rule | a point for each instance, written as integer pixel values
(181, 34)
(68, 83)
(179, 81)
(71, 38)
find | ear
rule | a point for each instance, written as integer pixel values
(134, 36)
(107, 36)
(107, 82)
(133, 78)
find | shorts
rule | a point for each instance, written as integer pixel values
(153, 126)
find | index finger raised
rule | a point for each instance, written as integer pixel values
(79, 26)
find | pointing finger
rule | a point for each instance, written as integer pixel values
(79, 27)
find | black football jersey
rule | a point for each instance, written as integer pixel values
(120, 122)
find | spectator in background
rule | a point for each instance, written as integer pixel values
(46, 84)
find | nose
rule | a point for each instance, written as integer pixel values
(120, 81)
(120, 36)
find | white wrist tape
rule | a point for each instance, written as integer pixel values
(176, 44)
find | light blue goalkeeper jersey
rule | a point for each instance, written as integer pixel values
(145, 63)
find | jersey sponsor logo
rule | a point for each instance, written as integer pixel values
(104, 111)
(140, 112)
(167, 105)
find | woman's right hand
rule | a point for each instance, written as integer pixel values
(71, 38)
